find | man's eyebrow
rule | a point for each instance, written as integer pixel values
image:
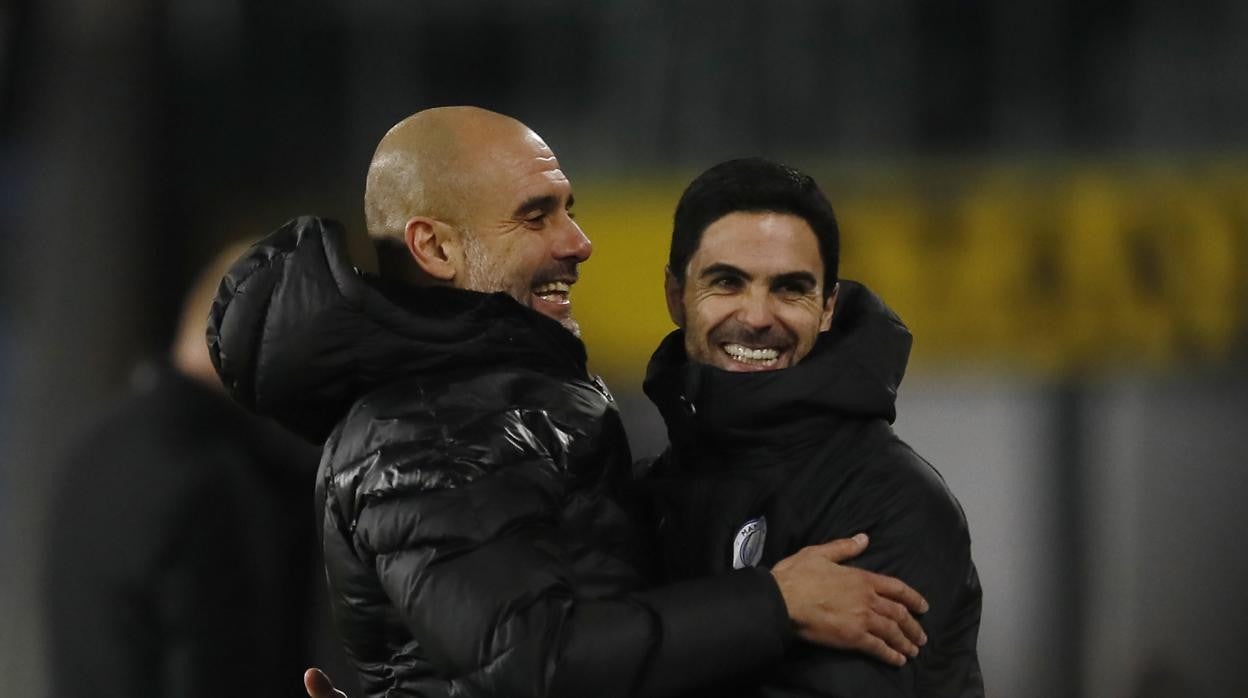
(722, 268)
(542, 202)
(803, 277)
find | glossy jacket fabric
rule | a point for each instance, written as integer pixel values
(478, 530)
(784, 459)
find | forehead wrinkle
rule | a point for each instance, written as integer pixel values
(523, 174)
(534, 190)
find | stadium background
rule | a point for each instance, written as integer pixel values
(1053, 195)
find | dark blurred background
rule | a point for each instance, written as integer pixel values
(1053, 194)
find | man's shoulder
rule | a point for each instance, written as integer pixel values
(404, 425)
(440, 398)
(924, 488)
(438, 432)
(891, 484)
(910, 468)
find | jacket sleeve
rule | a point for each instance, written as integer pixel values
(919, 535)
(482, 575)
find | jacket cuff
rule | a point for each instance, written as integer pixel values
(735, 620)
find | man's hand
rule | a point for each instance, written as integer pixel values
(318, 685)
(848, 608)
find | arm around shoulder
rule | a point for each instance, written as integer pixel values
(484, 580)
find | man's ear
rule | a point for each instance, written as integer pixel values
(674, 292)
(430, 244)
(829, 308)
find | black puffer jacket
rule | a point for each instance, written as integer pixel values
(762, 464)
(478, 533)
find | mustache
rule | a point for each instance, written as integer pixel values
(559, 271)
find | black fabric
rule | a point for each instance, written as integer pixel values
(181, 561)
(809, 449)
(298, 334)
(479, 528)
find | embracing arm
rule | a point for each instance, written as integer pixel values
(827, 603)
(484, 580)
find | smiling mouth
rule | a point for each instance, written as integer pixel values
(764, 357)
(554, 292)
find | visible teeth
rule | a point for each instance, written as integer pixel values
(741, 353)
(553, 287)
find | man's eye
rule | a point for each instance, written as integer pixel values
(725, 282)
(571, 214)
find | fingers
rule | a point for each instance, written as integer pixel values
(908, 624)
(875, 647)
(865, 635)
(899, 617)
(899, 591)
(887, 630)
(842, 549)
(318, 685)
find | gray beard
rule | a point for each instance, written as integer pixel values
(481, 273)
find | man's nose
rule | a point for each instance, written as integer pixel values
(756, 312)
(572, 243)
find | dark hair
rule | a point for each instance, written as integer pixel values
(753, 185)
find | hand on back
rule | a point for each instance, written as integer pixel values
(847, 608)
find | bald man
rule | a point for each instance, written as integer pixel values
(472, 199)
(479, 525)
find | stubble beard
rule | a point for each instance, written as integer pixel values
(486, 274)
(483, 273)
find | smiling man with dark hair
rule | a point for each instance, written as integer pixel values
(765, 461)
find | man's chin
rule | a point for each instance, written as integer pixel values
(560, 312)
(566, 321)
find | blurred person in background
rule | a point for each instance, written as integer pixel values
(778, 391)
(481, 531)
(182, 560)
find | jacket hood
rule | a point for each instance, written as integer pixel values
(853, 370)
(297, 333)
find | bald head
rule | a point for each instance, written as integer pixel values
(465, 197)
(430, 163)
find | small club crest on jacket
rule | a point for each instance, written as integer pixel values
(747, 547)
